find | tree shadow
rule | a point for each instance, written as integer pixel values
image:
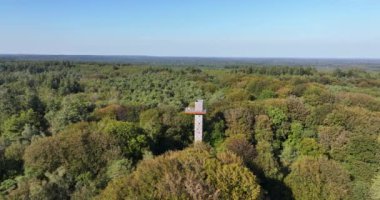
(277, 190)
(274, 189)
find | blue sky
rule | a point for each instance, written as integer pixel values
(220, 28)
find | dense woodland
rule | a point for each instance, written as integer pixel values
(82, 130)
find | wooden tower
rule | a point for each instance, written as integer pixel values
(198, 111)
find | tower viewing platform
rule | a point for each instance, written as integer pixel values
(193, 111)
(197, 109)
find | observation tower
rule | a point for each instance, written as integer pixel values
(198, 111)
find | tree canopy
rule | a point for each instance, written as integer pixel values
(194, 173)
(88, 130)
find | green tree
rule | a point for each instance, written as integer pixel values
(266, 94)
(318, 178)
(375, 188)
(190, 174)
(22, 126)
(239, 121)
(167, 128)
(277, 115)
(265, 159)
(74, 108)
(291, 145)
(129, 137)
(150, 122)
(310, 147)
(79, 151)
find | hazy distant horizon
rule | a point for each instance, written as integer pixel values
(191, 56)
(364, 63)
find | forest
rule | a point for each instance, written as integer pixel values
(92, 130)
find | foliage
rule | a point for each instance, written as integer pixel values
(239, 145)
(191, 174)
(277, 115)
(167, 128)
(297, 109)
(318, 178)
(265, 159)
(25, 125)
(77, 151)
(129, 137)
(74, 108)
(67, 160)
(239, 121)
(119, 168)
(375, 188)
(67, 129)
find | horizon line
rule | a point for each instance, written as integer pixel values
(192, 56)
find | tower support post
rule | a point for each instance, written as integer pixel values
(198, 128)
